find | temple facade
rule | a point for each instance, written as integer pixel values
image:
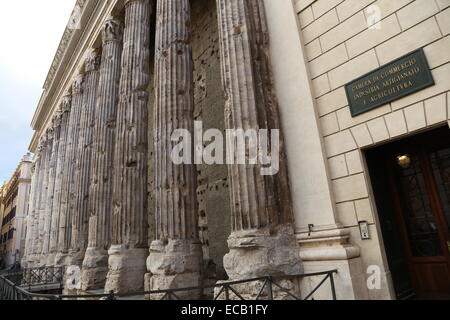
(354, 97)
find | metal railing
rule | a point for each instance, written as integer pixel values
(36, 276)
(269, 288)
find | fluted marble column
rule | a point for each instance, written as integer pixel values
(175, 259)
(31, 220)
(67, 184)
(80, 197)
(95, 263)
(262, 240)
(56, 127)
(43, 210)
(129, 247)
(36, 212)
(56, 199)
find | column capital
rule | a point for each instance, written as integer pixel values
(127, 2)
(57, 119)
(66, 103)
(112, 30)
(92, 62)
(78, 85)
(49, 133)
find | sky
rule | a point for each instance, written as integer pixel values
(30, 32)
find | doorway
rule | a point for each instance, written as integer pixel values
(411, 183)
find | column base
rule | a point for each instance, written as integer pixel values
(328, 250)
(259, 253)
(41, 261)
(50, 261)
(126, 269)
(94, 269)
(61, 259)
(175, 264)
(73, 262)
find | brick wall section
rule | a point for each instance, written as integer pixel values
(340, 47)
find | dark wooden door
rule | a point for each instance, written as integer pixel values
(419, 171)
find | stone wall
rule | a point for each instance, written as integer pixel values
(212, 189)
(340, 47)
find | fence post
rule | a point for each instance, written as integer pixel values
(227, 293)
(269, 279)
(333, 289)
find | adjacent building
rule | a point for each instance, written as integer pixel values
(358, 89)
(14, 197)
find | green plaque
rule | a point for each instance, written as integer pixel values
(390, 82)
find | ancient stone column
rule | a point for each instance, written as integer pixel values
(175, 259)
(262, 240)
(95, 264)
(31, 221)
(43, 210)
(56, 200)
(36, 212)
(80, 196)
(67, 184)
(56, 126)
(129, 247)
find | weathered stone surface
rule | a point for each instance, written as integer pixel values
(126, 269)
(42, 204)
(212, 186)
(262, 215)
(33, 216)
(95, 264)
(80, 196)
(56, 126)
(67, 184)
(56, 205)
(130, 224)
(175, 258)
(175, 264)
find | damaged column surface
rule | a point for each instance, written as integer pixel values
(175, 259)
(56, 127)
(80, 196)
(129, 245)
(33, 214)
(43, 210)
(95, 264)
(54, 231)
(262, 241)
(65, 217)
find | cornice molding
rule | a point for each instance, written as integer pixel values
(68, 33)
(69, 59)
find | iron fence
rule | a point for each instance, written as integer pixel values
(268, 288)
(36, 276)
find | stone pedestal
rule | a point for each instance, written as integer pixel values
(175, 264)
(262, 252)
(327, 250)
(95, 269)
(61, 259)
(126, 269)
